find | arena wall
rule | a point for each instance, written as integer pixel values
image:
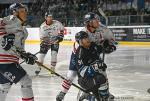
(125, 35)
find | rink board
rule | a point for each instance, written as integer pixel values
(71, 42)
(125, 35)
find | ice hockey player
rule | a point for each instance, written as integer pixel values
(13, 34)
(91, 68)
(51, 34)
(97, 34)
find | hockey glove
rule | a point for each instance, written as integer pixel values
(29, 58)
(102, 66)
(8, 41)
(44, 47)
(109, 48)
(99, 66)
(60, 37)
(105, 43)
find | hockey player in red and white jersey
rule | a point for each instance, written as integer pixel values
(12, 39)
(98, 34)
(51, 34)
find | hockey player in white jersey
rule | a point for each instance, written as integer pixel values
(13, 34)
(98, 34)
(51, 34)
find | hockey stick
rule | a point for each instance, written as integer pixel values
(39, 52)
(40, 64)
(103, 14)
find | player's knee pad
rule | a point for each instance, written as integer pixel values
(26, 87)
(4, 88)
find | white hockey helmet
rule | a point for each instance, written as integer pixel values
(15, 7)
(90, 16)
(48, 14)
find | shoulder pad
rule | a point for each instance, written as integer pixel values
(57, 22)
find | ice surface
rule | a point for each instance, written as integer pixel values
(128, 73)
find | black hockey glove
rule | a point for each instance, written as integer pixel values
(60, 37)
(108, 47)
(8, 41)
(44, 47)
(106, 43)
(102, 66)
(29, 58)
(99, 65)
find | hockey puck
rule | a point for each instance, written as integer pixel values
(148, 90)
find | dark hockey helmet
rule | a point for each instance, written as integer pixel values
(15, 7)
(81, 35)
(90, 16)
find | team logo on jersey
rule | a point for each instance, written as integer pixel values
(9, 76)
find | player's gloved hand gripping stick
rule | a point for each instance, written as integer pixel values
(40, 64)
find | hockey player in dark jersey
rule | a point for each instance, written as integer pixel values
(97, 34)
(91, 69)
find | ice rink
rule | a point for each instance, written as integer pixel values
(128, 73)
